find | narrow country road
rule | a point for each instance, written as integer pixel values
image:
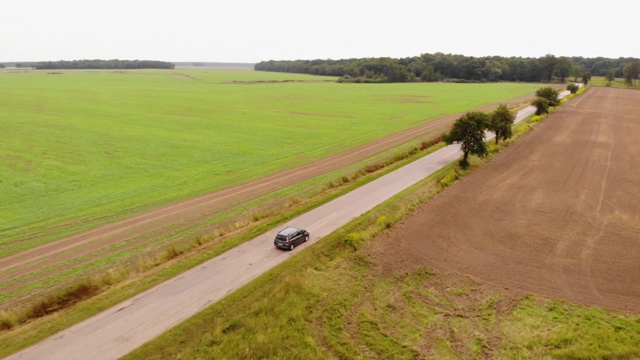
(124, 327)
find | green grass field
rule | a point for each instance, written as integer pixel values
(82, 148)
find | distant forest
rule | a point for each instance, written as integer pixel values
(448, 67)
(103, 64)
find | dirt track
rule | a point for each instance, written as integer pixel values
(557, 214)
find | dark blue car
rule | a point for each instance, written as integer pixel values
(290, 237)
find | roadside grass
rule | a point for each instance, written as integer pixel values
(25, 324)
(84, 148)
(330, 301)
(563, 331)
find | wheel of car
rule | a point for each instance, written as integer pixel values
(291, 246)
(306, 238)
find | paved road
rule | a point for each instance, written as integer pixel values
(124, 327)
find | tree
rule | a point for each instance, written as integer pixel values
(550, 94)
(610, 77)
(468, 131)
(430, 75)
(534, 71)
(541, 104)
(470, 69)
(573, 88)
(501, 122)
(1, 66)
(547, 66)
(563, 68)
(492, 71)
(631, 72)
(576, 71)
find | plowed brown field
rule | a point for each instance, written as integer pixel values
(557, 213)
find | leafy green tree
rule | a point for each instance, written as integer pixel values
(577, 70)
(631, 72)
(586, 77)
(547, 66)
(534, 71)
(611, 75)
(549, 93)
(430, 75)
(417, 66)
(573, 88)
(515, 69)
(493, 71)
(444, 66)
(541, 104)
(470, 69)
(468, 131)
(563, 68)
(501, 121)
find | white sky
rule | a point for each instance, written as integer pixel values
(256, 30)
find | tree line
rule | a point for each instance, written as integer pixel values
(460, 68)
(103, 64)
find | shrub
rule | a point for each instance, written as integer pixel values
(449, 179)
(372, 168)
(573, 88)
(493, 148)
(550, 94)
(429, 143)
(172, 253)
(353, 240)
(6, 322)
(63, 300)
(383, 222)
(541, 104)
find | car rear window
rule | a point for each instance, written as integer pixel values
(281, 237)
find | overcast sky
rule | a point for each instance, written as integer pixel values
(256, 30)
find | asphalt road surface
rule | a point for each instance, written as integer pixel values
(124, 327)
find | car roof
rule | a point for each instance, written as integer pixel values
(288, 230)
